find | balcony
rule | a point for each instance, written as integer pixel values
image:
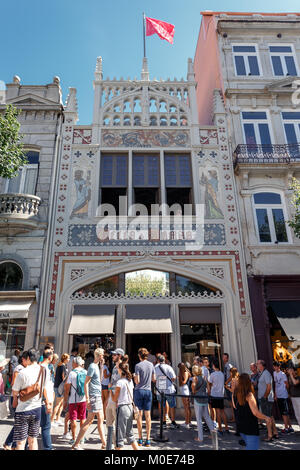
(266, 154)
(18, 213)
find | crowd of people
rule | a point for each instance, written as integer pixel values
(48, 392)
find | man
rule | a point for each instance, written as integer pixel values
(28, 413)
(93, 394)
(165, 378)
(143, 376)
(281, 396)
(226, 366)
(111, 408)
(216, 389)
(74, 392)
(47, 401)
(74, 353)
(265, 397)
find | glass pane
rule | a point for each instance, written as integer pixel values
(253, 65)
(32, 157)
(277, 66)
(264, 134)
(290, 133)
(153, 170)
(11, 276)
(14, 183)
(187, 286)
(280, 49)
(267, 198)
(200, 340)
(148, 282)
(106, 170)
(138, 170)
(30, 180)
(250, 134)
(263, 225)
(184, 171)
(279, 224)
(290, 65)
(240, 65)
(244, 49)
(121, 170)
(106, 286)
(15, 336)
(254, 115)
(170, 171)
(291, 115)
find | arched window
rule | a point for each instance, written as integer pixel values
(11, 276)
(270, 218)
(187, 286)
(147, 281)
(106, 286)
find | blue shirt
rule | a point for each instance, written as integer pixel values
(95, 383)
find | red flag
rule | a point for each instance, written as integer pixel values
(163, 29)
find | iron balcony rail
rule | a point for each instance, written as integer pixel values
(266, 153)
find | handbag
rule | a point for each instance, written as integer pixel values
(30, 392)
(135, 409)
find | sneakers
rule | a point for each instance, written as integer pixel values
(65, 437)
(284, 431)
(174, 425)
(147, 443)
(140, 442)
(291, 430)
(186, 426)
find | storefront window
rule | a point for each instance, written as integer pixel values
(11, 276)
(106, 286)
(200, 340)
(12, 335)
(187, 286)
(85, 343)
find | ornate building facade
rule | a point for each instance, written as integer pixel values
(145, 150)
(254, 60)
(25, 205)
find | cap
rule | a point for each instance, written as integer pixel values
(119, 351)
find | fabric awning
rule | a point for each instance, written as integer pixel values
(197, 315)
(14, 308)
(92, 320)
(148, 319)
(288, 314)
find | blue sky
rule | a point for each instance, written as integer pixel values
(40, 39)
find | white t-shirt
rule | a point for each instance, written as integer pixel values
(49, 385)
(26, 377)
(162, 382)
(280, 389)
(217, 381)
(72, 379)
(124, 396)
(105, 381)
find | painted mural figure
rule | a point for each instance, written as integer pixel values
(83, 195)
(212, 206)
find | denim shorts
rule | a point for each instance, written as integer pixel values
(57, 394)
(266, 407)
(143, 399)
(283, 406)
(170, 399)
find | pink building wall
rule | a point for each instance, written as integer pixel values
(207, 68)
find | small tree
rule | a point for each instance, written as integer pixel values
(295, 222)
(12, 155)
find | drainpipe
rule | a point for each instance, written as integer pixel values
(41, 311)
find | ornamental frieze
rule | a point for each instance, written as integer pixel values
(145, 138)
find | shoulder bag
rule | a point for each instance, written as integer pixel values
(30, 392)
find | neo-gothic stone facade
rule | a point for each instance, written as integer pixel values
(132, 120)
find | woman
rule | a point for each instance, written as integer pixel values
(184, 377)
(22, 362)
(60, 376)
(199, 387)
(294, 391)
(104, 383)
(247, 412)
(230, 385)
(123, 396)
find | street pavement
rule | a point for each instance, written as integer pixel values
(178, 439)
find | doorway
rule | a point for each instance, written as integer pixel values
(155, 343)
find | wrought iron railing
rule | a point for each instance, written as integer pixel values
(285, 153)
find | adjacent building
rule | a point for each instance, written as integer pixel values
(254, 59)
(25, 205)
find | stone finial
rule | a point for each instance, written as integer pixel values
(56, 80)
(145, 71)
(71, 103)
(16, 80)
(98, 70)
(190, 72)
(218, 102)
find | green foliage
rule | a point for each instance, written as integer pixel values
(12, 155)
(143, 283)
(295, 222)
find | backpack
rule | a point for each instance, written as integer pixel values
(80, 379)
